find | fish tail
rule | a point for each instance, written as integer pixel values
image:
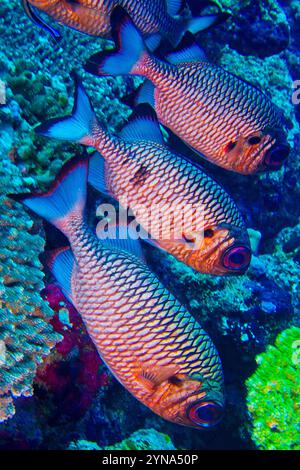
(81, 126)
(194, 25)
(130, 49)
(65, 201)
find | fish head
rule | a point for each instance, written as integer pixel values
(260, 151)
(223, 250)
(191, 401)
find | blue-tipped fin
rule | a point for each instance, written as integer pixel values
(78, 127)
(145, 94)
(152, 42)
(188, 51)
(62, 265)
(143, 125)
(174, 6)
(96, 176)
(130, 48)
(66, 198)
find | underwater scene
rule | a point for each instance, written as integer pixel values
(150, 225)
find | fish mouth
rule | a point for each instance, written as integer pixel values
(205, 414)
(237, 258)
(232, 253)
(276, 156)
(257, 159)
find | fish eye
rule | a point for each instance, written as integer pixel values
(237, 258)
(205, 414)
(208, 233)
(275, 157)
(254, 140)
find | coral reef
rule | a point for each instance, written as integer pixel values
(26, 336)
(75, 399)
(144, 439)
(38, 84)
(274, 394)
(74, 373)
(258, 28)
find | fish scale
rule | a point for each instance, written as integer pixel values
(105, 328)
(202, 132)
(93, 16)
(193, 184)
(225, 119)
(172, 199)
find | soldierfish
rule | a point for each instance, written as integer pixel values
(184, 210)
(154, 18)
(149, 341)
(227, 120)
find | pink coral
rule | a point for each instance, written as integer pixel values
(75, 371)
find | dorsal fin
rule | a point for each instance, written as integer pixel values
(142, 125)
(96, 176)
(61, 263)
(174, 6)
(145, 94)
(188, 51)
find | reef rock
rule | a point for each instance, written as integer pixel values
(26, 336)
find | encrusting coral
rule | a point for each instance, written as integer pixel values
(144, 439)
(26, 336)
(274, 394)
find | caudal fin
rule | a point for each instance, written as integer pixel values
(80, 126)
(65, 200)
(195, 24)
(130, 47)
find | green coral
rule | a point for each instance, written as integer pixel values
(273, 398)
(144, 439)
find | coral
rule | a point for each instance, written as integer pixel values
(26, 336)
(256, 28)
(144, 439)
(39, 86)
(74, 373)
(274, 394)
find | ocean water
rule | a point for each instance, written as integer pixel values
(55, 390)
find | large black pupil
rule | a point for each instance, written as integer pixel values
(207, 413)
(237, 258)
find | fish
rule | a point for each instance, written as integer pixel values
(156, 19)
(224, 119)
(36, 19)
(186, 212)
(149, 341)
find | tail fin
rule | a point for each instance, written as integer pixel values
(194, 25)
(65, 201)
(80, 126)
(130, 48)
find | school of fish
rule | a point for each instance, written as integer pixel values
(148, 340)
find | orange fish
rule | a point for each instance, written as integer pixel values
(154, 18)
(225, 119)
(185, 211)
(149, 341)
